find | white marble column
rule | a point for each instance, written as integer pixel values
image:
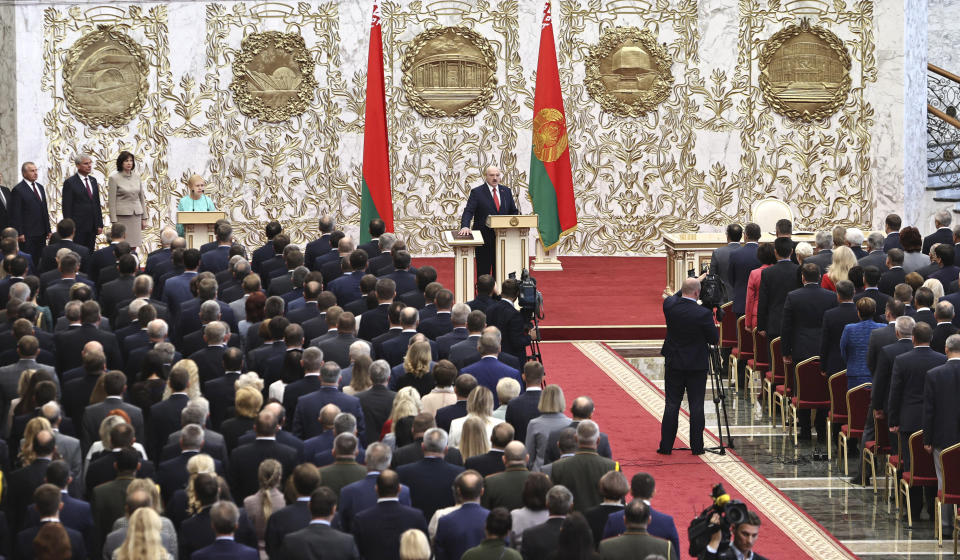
(8, 96)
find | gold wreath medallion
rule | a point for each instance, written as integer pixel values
(628, 72)
(273, 76)
(804, 72)
(549, 134)
(449, 72)
(105, 78)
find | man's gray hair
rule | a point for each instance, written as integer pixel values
(559, 500)
(854, 236)
(953, 344)
(329, 372)
(64, 251)
(344, 423)
(214, 332)
(195, 412)
(143, 285)
(488, 344)
(387, 241)
(359, 348)
(157, 329)
(379, 372)
(209, 311)
(458, 315)
(133, 310)
(944, 310)
(824, 240)
(80, 158)
(312, 359)
(434, 440)
(191, 437)
(168, 235)
(20, 290)
(72, 310)
(223, 513)
(943, 217)
(299, 275)
(875, 240)
(588, 432)
(379, 455)
(905, 325)
(167, 351)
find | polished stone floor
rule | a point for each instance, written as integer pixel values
(858, 517)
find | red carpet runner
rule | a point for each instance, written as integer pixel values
(624, 400)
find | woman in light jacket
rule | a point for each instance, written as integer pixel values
(127, 201)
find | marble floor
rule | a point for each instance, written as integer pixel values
(855, 515)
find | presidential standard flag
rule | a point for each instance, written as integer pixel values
(551, 181)
(376, 200)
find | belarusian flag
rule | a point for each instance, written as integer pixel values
(551, 181)
(376, 200)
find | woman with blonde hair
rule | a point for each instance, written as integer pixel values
(839, 269)
(508, 389)
(414, 545)
(36, 425)
(193, 374)
(416, 368)
(935, 286)
(473, 438)
(267, 500)
(183, 503)
(22, 385)
(194, 200)
(247, 403)
(360, 375)
(551, 418)
(397, 429)
(479, 405)
(143, 538)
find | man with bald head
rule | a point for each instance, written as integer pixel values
(690, 332)
(505, 488)
(489, 198)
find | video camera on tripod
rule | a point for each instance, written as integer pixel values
(713, 292)
(530, 300)
(702, 528)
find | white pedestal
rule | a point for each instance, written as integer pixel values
(545, 260)
(464, 265)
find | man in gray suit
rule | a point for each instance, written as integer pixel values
(27, 349)
(824, 255)
(69, 447)
(876, 257)
(337, 349)
(114, 384)
(720, 259)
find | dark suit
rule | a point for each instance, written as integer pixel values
(875, 258)
(21, 484)
(459, 531)
(405, 280)
(553, 452)
(413, 452)
(942, 235)
(78, 550)
(374, 323)
(338, 349)
(802, 321)
(5, 207)
(905, 405)
(480, 205)
(926, 315)
(226, 549)
(446, 415)
(690, 329)
(660, 525)
(316, 248)
(164, 419)
(879, 298)
(75, 514)
(197, 533)
(742, 263)
(377, 401)
(172, 473)
(48, 256)
(941, 333)
(243, 477)
(892, 241)
(395, 348)
(775, 283)
(209, 362)
(347, 287)
(30, 217)
(115, 292)
(430, 481)
(833, 322)
(94, 414)
(57, 294)
(487, 463)
(83, 208)
(377, 529)
(444, 342)
(883, 371)
(297, 389)
(436, 326)
(941, 415)
(489, 371)
(508, 319)
(304, 313)
(359, 496)
(541, 541)
(332, 270)
(521, 410)
(261, 254)
(215, 260)
(319, 541)
(823, 259)
(305, 420)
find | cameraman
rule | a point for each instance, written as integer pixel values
(686, 351)
(744, 536)
(505, 316)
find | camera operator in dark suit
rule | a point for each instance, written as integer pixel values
(690, 331)
(489, 198)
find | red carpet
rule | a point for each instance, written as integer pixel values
(614, 295)
(683, 481)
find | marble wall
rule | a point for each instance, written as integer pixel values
(8, 97)
(699, 161)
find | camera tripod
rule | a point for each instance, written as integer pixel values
(719, 402)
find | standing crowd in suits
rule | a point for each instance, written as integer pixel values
(886, 315)
(329, 401)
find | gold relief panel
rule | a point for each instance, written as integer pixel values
(805, 72)
(628, 73)
(273, 76)
(449, 72)
(105, 78)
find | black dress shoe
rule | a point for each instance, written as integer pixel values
(804, 436)
(664, 451)
(855, 479)
(697, 452)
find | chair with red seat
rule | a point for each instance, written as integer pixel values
(743, 352)
(810, 390)
(773, 377)
(728, 327)
(784, 392)
(880, 446)
(858, 400)
(760, 363)
(921, 473)
(838, 406)
(950, 467)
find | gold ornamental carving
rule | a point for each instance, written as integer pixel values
(805, 72)
(273, 76)
(628, 72)
(105, 78)
(449, 72)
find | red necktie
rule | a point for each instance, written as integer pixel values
(496, 199)
(86, 181)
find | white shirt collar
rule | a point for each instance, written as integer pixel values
(320, 522)
(381, 500)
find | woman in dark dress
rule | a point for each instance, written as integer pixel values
(417, 369)
(148, 391)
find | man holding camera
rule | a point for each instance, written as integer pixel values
(741, 548)
(686, 351)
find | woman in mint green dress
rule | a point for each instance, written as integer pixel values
(195, 201)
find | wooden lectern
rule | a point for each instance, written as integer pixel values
(199, 226)
(463, 263)
(512, 247)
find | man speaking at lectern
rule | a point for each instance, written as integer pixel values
(487, 199)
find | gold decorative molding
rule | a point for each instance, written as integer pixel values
(273, 76)
(804, 72)
(105, 78)
(628, 72)
(449, 72)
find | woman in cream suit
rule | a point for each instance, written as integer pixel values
(127, 202)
